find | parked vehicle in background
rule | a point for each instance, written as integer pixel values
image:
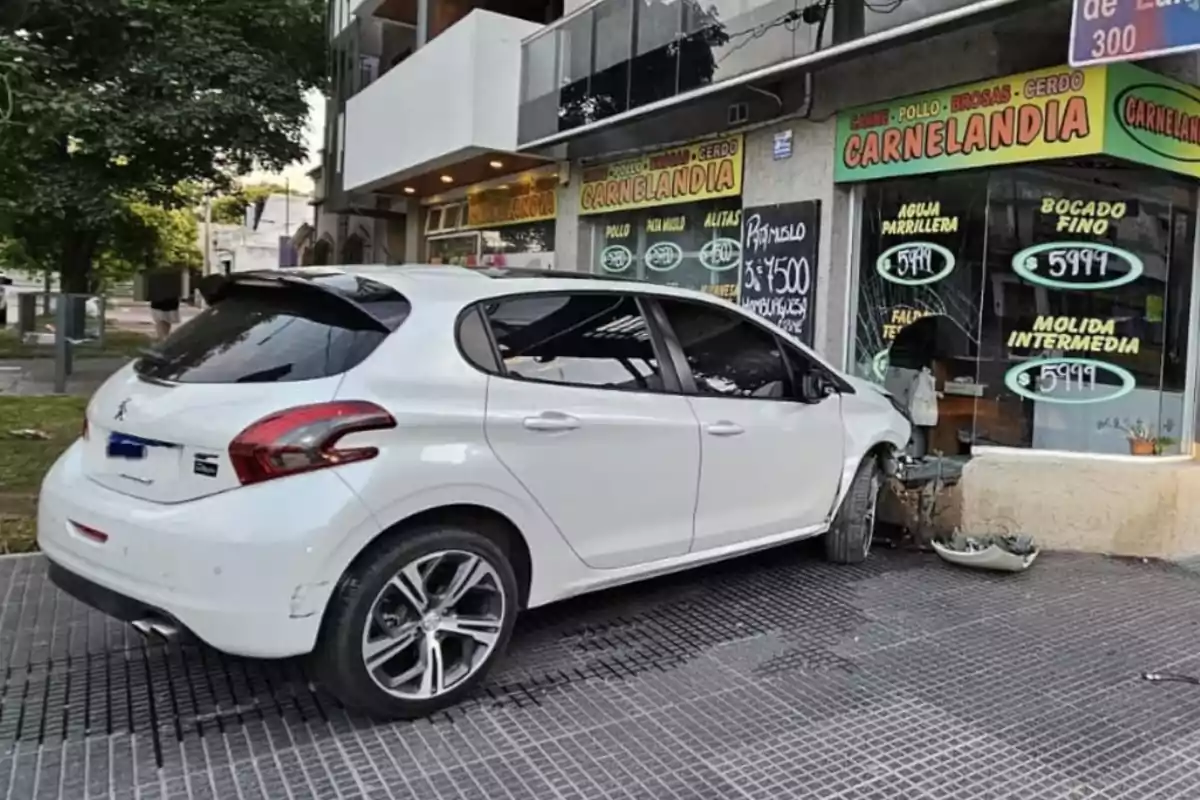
(382, 466)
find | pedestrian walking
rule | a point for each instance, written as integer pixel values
(164, 290)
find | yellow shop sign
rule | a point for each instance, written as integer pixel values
(487, 209)
(685, 174)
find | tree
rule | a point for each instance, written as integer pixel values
(120, 99)
(142, 236)
(146, 237)
(230, 209)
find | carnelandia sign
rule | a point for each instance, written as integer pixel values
(1118, 110)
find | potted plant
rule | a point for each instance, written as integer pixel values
(1144, 440)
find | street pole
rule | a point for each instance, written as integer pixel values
(207, 234)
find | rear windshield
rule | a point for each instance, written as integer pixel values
(269, 334)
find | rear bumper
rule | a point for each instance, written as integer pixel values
(241, 570)
(114, 604)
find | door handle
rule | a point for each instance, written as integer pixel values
(724, 428)
(551, 421)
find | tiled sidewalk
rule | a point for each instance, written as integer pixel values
(771, 677)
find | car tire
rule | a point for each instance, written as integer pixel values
(849, 538)
(375, 607)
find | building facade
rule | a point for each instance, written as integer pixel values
(906, 185)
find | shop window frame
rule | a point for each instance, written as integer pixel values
(439, 212)
(1190, 414)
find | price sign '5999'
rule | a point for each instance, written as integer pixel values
(1068, 380)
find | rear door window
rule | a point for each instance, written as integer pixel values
(596, 340)
(272, 334)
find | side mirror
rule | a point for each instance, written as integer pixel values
(815, 386)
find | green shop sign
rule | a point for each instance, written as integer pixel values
(1116, 109)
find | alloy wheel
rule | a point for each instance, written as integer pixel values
(433, 624)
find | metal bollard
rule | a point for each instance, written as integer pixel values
(62, 344)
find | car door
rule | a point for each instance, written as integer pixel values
(583, 414)
(771, 460)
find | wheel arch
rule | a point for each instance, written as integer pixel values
(476, 517)
(882, 450)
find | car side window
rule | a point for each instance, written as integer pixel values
(728, 355)
(599, 340)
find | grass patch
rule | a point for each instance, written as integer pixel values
(117, 344)
(23, 461)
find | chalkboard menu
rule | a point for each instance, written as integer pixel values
(779, 264)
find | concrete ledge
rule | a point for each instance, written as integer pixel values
(1121, 506)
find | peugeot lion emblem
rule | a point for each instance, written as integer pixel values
(121, 409)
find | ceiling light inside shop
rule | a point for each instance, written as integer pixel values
(502, 186)
(447, 179)
(496, 164)
(409, 190)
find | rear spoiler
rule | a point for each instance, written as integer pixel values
(215, 288)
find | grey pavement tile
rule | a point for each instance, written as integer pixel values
(774, 676)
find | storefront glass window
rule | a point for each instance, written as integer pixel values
(1049, 305)
(461, 250)
(694, 245)
(527, 245)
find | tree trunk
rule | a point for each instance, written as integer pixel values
(75, 271)
(75, 278)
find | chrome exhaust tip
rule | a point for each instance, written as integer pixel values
(152, 625)
(164, 629)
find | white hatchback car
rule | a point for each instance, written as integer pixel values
(382, 466)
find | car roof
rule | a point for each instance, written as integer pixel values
(450, 283)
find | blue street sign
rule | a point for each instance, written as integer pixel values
(1103, 31)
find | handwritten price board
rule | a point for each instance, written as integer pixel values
(779, 264)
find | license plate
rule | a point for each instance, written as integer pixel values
(127, 447)
(133, 448)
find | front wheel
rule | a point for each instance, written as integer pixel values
(849, 538)
(417, 624)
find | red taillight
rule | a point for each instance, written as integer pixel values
(304, 438)
(100, 537)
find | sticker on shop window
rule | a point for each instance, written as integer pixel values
(1077, 265)
(1072, 381)
(616, 258)
(915, 263)
(663, 256)
(881, 363)
(720, 255)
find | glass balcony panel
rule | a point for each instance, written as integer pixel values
(609, 91)
(655, 66)
(623, 54)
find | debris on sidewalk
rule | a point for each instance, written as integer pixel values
(1000, 553)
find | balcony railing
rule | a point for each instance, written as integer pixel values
(620, 55)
